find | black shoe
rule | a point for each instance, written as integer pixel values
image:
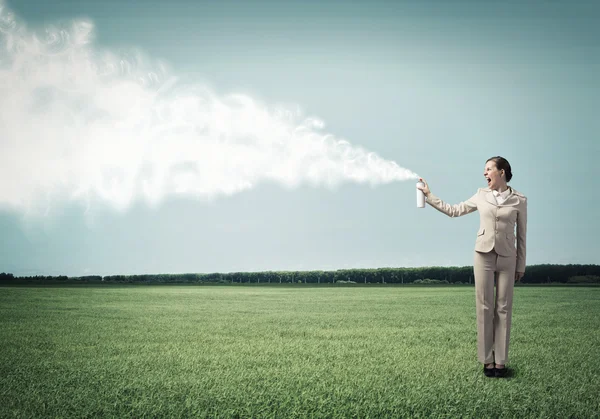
(501, 372)
(489, 372)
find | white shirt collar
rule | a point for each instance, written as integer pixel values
(502, 194)
(501, 197)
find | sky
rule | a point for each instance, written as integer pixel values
(198, 136)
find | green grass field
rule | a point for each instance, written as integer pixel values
(249, 351)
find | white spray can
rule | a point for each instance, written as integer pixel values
(420, 196)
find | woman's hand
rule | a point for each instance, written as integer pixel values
(519, 275)
(425, 188)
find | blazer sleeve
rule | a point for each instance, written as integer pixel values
(521, 237)
(456, 210)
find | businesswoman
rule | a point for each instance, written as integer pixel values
(501, 210)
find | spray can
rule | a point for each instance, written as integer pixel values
(420, 196)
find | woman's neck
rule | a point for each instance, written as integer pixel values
(502, 188)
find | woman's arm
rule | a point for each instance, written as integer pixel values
(521, 237)
(456, 210)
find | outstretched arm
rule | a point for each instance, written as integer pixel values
(455, 210)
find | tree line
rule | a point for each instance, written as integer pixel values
(535, 274)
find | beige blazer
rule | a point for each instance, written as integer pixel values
(497, 223)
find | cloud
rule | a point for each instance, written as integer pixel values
(82, 124)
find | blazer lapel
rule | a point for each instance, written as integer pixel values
(489, 196)
(511, 200)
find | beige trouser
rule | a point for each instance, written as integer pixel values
(493, 316)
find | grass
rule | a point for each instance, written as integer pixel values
(193, 351)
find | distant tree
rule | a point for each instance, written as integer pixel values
(6, 276)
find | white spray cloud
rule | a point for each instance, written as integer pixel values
(77, 123)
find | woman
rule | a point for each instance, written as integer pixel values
(501, 209)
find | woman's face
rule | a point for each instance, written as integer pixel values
(493, 175)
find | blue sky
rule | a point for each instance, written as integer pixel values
(437, 87)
